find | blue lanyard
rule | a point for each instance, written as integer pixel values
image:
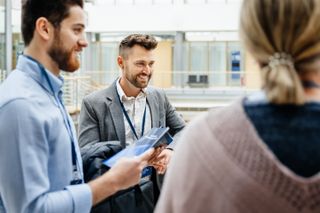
(76, 174)
(129, 120)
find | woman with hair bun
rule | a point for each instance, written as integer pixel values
(262, 153)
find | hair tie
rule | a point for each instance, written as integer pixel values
(280, 59)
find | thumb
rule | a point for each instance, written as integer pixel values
(144, 157)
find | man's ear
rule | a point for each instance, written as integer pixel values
(120, 62)
(44, 28)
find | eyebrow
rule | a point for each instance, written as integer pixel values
(79, 25)
(143, 61)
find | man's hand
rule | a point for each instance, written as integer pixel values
(125, 173)
(161, 161)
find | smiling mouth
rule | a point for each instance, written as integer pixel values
(143, 77)
(78, 52)
(77, 55)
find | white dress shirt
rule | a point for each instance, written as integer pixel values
(135, 107)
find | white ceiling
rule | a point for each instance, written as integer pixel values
(218, 16)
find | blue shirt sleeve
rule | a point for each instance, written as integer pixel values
(25, 181)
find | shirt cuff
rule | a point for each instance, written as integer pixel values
(81, 196)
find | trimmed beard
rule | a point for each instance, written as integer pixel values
(63, 57)
(134, 80)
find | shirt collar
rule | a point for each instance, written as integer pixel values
(39, 73)
(123, 96)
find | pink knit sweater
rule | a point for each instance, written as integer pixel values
(221, 165)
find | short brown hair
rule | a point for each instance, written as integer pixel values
(53, 10)
(146, 41)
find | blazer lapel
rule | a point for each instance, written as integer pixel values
(153, 108)
(116, 115)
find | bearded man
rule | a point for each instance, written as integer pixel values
(127, 109)
(40, 163)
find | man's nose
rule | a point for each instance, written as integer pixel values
(147, 68)
(83, 42)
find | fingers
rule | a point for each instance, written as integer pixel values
(162, 161)
(161, 157)
(145, 157)
(155, 155)
(161, 168)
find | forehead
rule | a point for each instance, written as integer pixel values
(76, 17)
(137, 52)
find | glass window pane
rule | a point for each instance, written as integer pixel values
(235, 64)
(95, 56)
(217, 63)
(198, 56)
(198, 77)
(185, 56)
(93, 53)
(2, 41)
(109, 53)
(183, 77)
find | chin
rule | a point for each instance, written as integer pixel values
(142, 86)
(71, 67)
(71, 71)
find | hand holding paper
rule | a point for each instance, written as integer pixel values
(128, 170)
(125, 173)
(160, 163)
(154, 138)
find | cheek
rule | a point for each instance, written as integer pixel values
(69, 40)
(133, 69)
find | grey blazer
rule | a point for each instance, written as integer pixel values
(101, 118)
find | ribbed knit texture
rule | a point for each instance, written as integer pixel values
(246, 148)
(291, 132)
(222, 165)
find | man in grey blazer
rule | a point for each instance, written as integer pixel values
(122, 112)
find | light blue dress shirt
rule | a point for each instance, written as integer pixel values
(35, 145)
